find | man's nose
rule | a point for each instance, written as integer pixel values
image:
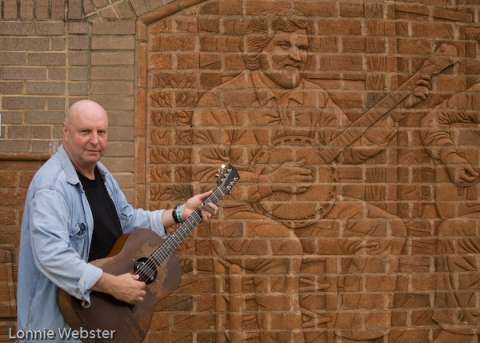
(94, 138)
(295, 53)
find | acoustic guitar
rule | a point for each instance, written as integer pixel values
(146, 254)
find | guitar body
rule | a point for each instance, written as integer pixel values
(129, 323)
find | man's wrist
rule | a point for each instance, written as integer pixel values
(177, 214)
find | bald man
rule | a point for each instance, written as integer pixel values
(74, 212)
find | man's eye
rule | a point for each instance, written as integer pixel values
(284, 44)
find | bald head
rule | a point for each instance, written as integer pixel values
(85, 135)
(83, 108)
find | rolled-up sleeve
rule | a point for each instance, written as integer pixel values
(52, 249)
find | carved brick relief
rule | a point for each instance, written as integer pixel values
(354, 126)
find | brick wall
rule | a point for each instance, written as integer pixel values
(16, 171)
(379, 245)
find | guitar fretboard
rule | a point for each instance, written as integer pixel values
(160, 255)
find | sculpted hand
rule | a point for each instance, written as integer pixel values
(460, 170)
(421, 91)
(294, 174)
(291, 173)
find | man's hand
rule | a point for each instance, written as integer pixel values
(460, 170)
(125, 287)
(197, 201)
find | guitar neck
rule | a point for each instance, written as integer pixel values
(173, 241)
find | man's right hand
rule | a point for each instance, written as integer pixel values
(125, 287)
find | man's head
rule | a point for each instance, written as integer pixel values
(283, 55)
(85, 133)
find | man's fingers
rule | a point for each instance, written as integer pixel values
(204, 195)
(210, 209)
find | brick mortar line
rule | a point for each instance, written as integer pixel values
(97, 12)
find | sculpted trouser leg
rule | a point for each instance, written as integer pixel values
(458, 269)
(269, 257)
(367, 242)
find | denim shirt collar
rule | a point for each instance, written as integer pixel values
(68, 167)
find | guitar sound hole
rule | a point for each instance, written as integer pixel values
(146, 271)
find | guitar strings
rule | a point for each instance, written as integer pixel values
(148, 269)
(159, 256)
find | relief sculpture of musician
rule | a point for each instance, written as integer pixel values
(272, 123)
(74, 212)
(450, 134)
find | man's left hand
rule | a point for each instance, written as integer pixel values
(197, 201)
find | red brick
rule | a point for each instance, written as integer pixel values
(12, 28)
(24, 43)
(317, 8)
(113, 43)
(341, 63)
(13, 58)
(46, 88)
(230, 7)
(352, 8)
(415, 46)
(339, 27)
(433, 30)
(124, 10)
(51, 28)
(26, 9)
(267, 7)
(41, 9)
(125, 27)
(78, 42)
(454, 15)
(111, 87)
(74, 9)
(178, 42)
(112, 73)
(58, 9)
(56, 59)
(112, 58)
(27, 103)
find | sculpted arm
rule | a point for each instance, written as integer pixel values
(437, 137)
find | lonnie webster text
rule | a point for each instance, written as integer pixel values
(62, 333)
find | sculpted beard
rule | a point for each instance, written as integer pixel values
(287, 73)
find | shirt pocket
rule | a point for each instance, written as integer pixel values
(78, 234)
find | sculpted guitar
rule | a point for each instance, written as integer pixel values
(146, 254)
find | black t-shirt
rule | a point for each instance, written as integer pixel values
(106, 225)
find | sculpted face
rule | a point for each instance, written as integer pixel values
(85, 134)
(285, 57)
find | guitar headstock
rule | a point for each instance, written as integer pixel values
(227, 177)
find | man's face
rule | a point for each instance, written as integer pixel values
(285, 56)
(85, 136)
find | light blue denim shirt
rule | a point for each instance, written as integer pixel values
(55, 240)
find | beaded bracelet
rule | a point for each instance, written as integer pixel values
(177, 214)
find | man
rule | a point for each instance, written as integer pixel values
(450, 135)
(74, 212)
(274, 123)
